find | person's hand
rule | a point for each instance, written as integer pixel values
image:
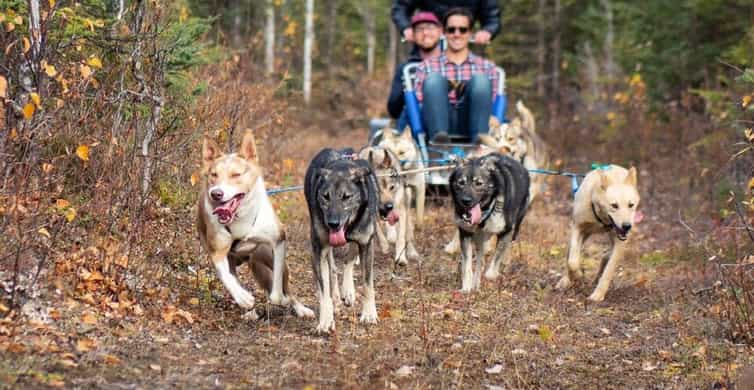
(482, 37)
(408, 34)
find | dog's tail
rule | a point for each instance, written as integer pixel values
(527, 117)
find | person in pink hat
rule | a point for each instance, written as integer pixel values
(426, 30)
(487, 12)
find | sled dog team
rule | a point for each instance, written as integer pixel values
(353, 197)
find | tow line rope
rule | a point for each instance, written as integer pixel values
(452, 163)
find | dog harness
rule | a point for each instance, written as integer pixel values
(496, 206)
(597, 217)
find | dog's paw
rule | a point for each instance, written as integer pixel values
(451, 247)
(349, 296)
(325, 327)
(413, 254)
(277, 298)
(491, 274)
(597, 296)
(564, 283)
(303, 311)
(369, 315)
(244, 299)
(250, 315)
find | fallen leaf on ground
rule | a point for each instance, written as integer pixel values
(404, 371)
(85, 345)
(111, 360)
(496, 369)
(155, 367)
(89, 319)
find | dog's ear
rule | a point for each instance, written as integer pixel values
(210, 152)
(323, 173)
(486, 140)
(604, 180)
(407, 134)
(248, 147)
(488, 163)
(494, 122)
(358, 173)
(631, 177)
(387, 161)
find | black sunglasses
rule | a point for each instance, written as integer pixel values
(453, 29)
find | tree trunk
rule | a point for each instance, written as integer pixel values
(610, 68)
(35, 33)
(332, 23)
(269, 38)
(541, 51)
(371, 41)
(121, 6)
(392, 52)
(556, 51)
(308, 42)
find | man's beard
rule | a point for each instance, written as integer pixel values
(430, 49)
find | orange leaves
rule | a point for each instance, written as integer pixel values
(29, 110)
(85, 71)
(64, 207)
(111, 360)
(35, 99)
(89, 319)
(85, 345)
(3, 87)
(171, 313)
(94, 62)
(83, 152)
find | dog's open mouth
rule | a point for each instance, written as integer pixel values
(227, 210)
(392, 217)
(473, 215)
(338, 237)
(622, 234)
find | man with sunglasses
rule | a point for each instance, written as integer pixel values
(486, 11)
(456, 87)
(426, 29)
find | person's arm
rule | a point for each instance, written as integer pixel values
(395, 101)
(421, 75)
(494, 77)
(489, 18)
(401, 11)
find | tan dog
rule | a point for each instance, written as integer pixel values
(395, 205)
(408, 153)
(236, 223)
(606, 202)
(519, 139)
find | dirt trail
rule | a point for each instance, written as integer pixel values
(515, 333)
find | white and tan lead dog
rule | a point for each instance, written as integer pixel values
(606, 202)
(237, 224)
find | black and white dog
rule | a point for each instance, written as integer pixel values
(490, 195)
(343, 198)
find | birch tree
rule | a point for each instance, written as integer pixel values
(308, 43)
(269, 38)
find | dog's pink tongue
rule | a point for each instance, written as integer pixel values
(338, 238)
(476, 214)
(638, 217)
(227, 211)
(393, 217)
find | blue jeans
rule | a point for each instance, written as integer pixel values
(469, 117)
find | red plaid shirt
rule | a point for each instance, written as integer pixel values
(461, 72)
